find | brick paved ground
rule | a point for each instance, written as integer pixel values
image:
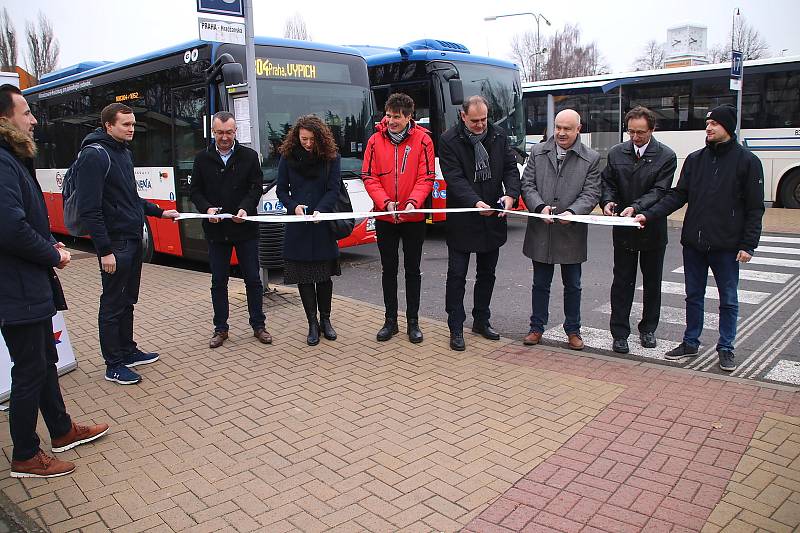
(356, 435)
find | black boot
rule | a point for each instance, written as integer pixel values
(324, 297)
(313, 333)
(308, 295)
(389, 328)
(414, 333)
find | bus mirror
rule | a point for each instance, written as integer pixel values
(456, 91)
(232, 74)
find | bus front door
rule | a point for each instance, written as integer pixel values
(189, 136)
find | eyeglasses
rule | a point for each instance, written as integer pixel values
(633, 133)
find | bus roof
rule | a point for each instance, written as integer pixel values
(607, 82)
(426, 50)
(80, 71)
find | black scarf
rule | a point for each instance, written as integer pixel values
(483, 170)
(306, 163)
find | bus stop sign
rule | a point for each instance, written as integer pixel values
(232, 8)
(737, 66)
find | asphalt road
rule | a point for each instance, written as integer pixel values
(769, 320)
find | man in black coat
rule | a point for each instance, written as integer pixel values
(480, 169)
(638, 174)
(723, 184)
(29, 290)
(227, 178)
(110, 206)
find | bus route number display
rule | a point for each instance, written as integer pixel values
(289, 69)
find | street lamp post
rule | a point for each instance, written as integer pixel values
(539, 48)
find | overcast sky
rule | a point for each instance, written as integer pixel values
(114, 29)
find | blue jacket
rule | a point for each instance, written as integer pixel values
(110, 205)
(27, 254)
(309, 241)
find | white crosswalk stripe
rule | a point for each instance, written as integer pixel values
(785, 371)
(745, 297)
(753, 275)
(775, 261)
(777, 250)
(669, 315)
(784, 240)
(601, 339)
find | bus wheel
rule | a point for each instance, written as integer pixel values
(790, 191)
(148, 247)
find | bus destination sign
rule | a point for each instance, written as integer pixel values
(127, 97)
(307, 70)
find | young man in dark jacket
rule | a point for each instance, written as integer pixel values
(723, 184)
(398, 173)
(110, 206)
(638, 174)
(480, 169)
(227, 178)
(28, 255)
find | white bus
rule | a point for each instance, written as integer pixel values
(680, 98)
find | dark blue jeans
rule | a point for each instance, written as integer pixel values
(219, 258)
(120, 293)
(726, 274)
(455, 286)
(412, 235)
(34, 386)
(540, 296)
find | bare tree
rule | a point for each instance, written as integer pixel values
(568, 58)
(746, 39)
(523, 47)
(295, 28)
(43, 48)
(8, 42)
(652, 57)
(719, 53)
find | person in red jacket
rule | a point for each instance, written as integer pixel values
(398, 174)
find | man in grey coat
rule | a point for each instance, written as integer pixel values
(561, 177)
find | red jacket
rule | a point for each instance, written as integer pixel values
(403, 173)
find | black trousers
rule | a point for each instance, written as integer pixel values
(34, 386)
(120, 293)
(457, 265)
(624, 285)
(412, 234)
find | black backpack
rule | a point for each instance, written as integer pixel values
(71, 213)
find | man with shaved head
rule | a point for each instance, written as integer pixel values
(560, 177)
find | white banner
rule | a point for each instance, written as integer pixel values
(319, 217)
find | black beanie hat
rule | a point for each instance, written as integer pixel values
(726, 116)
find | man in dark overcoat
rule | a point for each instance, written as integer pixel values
(480, 169)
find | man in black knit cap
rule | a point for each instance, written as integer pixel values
(723, 185)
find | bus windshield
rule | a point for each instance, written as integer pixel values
(344, 108)
(501, 87)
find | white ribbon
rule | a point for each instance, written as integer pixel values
(319, 217)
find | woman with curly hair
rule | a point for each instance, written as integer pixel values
(308, 182)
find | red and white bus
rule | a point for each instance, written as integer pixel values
(174, 92)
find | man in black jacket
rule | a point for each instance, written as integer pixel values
(480, 169)
(723, 184)
(28, 291)
(110, 206)
(638, 174)
(227, 178)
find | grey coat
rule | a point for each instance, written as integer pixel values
(576, 188)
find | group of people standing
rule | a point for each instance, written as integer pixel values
(722, 184)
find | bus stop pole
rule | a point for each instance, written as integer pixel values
(252, 99)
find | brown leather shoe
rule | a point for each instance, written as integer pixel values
(575, 342)
(218, 338)
(41, 465)
(532, 338)
(263, 336)
(78, 435)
